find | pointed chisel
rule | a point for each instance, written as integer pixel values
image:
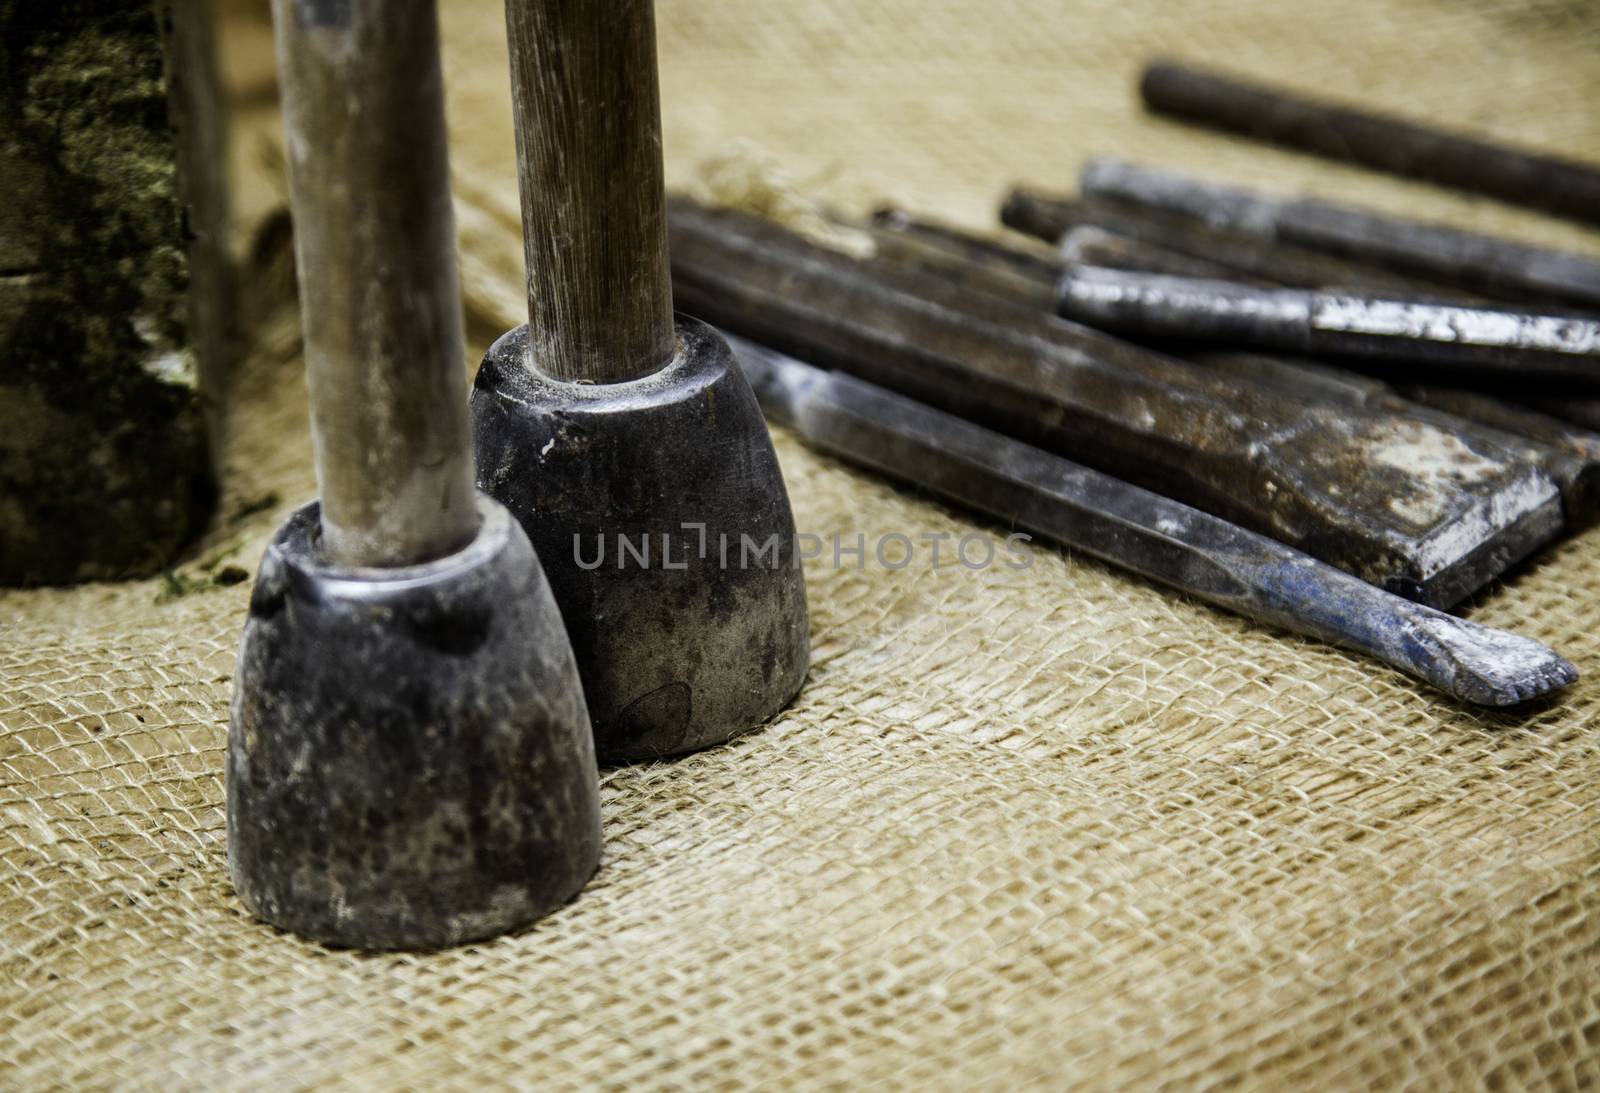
(1157, 538)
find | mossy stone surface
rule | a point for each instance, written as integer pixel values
(104, 465)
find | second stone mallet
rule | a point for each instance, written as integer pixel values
(627, 441)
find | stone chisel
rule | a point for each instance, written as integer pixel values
(1576, 463)
(1089, 235)
(1025, 271)
(1569, 455)
(1455, 340)
(409, 764)
(1422, 511)
(1437, 252)
(1155, 537)
(1412, 149)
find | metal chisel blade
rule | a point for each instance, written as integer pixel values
(1344, 483)
(1151, 535)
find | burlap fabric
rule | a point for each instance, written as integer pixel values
(1022, 828)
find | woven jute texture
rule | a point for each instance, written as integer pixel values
(1039, 827)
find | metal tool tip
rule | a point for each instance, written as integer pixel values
(1555, 674)
(1489, 667)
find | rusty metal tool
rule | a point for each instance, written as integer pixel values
(1380, 141)
(1088, 245)
(1564, 453)
(1132, 528)
(625, 440)
(1098, 231)
(1438, 252)
(1569, 456)
(1568, 453)
(409, 763)
(1530, 345)
(1419, 510)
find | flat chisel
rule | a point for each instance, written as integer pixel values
(1425, 512)
(1160, 539)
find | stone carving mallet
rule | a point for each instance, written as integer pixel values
(410, 763)
(627, 441)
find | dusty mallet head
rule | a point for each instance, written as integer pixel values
(626, 440)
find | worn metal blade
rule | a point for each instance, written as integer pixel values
(1495, 341)
(1567, 453)
(1400, 502)
(1151, 535)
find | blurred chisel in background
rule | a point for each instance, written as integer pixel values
(1245, 256)
(1413, 149)
(1469, 260)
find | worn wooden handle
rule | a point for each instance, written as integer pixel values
(588, 114)
(363, 103)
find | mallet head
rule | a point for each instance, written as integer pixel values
(659, 511)
(606, 423)
(409, 765)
